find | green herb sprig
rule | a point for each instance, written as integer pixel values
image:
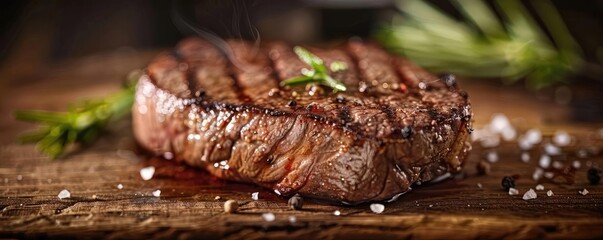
(481, 45)
(318, 74)
(81, 124)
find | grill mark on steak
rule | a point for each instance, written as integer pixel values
(374, 65)
(255, 80)
(340, 149)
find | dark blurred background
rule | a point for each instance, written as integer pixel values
(36, 35)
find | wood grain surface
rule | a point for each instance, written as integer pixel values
(191, 202)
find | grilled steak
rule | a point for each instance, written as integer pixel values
(395, 125)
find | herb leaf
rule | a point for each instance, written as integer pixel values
(319, 72)
(80, 124)
(481, 45)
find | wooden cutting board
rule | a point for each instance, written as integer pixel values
(191, 202)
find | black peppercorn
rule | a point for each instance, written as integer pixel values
(406, 132)
(296, 202)
(292, 103)
(508, 182)
(594, 176)
(449, 79)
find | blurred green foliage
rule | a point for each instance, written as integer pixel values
(481, 44)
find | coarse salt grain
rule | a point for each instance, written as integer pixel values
(525, 157)
(530, 194)
(64, 194)
(479, 185)
(562, 138)
(549, 193)
(147, 173)
(513, 191)
(583, 192)
(576, 164)
(19, 177)
(524, 143)
(537, 174)
(545, 161)
(292, 219)
(509, 134)
(557, 165)
(539, 187)
(490, 141)
(120, 186)
(255, 196)
(499, 122)
(551, 149)
(157, 193)
(492, 156)
(533, 136)
(337, 213)
(377, 208)
(268, 217)
(549, 175)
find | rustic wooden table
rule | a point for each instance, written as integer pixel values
(189, 207)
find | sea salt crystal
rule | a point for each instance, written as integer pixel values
(539, 187)
(524, 143)
(64, 194)
(479, 185)
(557, 165)
(509, 134)
(525, 157)
(255, 196)
(513, 191)
(549, 175)
(533, 136)
(551, 149)
(19, 177)
(492, 156)
(530, 194)
(147, 173)
(583, 192)
(549, 193)
(422, 85)
(268, 217)
(576, 164)
(377, 208)
(562, 138)
(337, 213)
(490, 141)
(545, 161)
(499, 123)
(157, 193)
(537, 174)
(120, 186)
(168, 155)
(292, 219)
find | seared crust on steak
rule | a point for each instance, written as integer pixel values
(395, 125)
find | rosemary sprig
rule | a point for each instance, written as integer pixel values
(481, 45)
(318, 74)
(81, 124)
